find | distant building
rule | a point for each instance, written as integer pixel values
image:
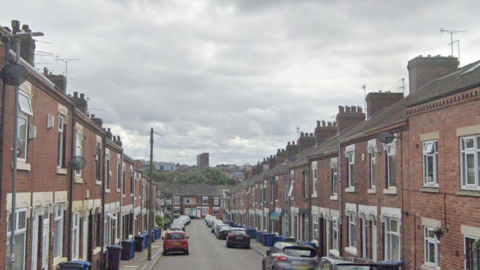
(160, 166)
(203, 160)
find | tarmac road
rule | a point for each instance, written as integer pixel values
(209, 253)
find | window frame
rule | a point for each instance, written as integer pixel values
(429, 240)
(351, 169)
(469, 253)
(335, 235)
(390, 154)
(22, 116)
(464, 153)
(78, 149)
(389, 236)
(204, 200)
(76, 236)
(427, 154)
(314, 182)
(373, 163)
(216, 201)
(176, 200)
(335, 181)
(352, 230)
(61, 136)
(58, 234)
(19, 230)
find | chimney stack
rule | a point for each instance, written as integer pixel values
(305, 141)
(272, 162)
(281, 156)
(422, 70)
(59, 80)
(292, 150)
(80, 102)
(323, 132)
(378, 101)
(27, 46)
(97, 121)
(351, 117)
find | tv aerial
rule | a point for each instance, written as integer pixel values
(452, 32)
(66, 61)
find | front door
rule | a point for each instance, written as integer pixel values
(45, 237)
(35, 229)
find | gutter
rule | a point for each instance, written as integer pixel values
(102, 217)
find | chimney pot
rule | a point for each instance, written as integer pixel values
(323, 123)
(82, 96)
(301, 134)
(288, 143)
(359, 109)
(341, 109)
(318, 123)
(45, 71)
(93, 116)
(75, 94)
(293, 143)
(347, 108)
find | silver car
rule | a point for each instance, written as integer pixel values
(290, 256)
(352, 263)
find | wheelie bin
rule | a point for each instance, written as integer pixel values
(389, 265)
(269, 239)
(86, 265)
(114, 253)
(127, 250)
(71, 266)
(139, 243)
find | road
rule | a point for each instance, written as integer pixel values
(209, 253)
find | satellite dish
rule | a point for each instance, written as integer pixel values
(386, 137)
(14, 74)
(77, 163)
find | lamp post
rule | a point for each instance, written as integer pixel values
(15, 74)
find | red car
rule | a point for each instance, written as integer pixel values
(175, 241)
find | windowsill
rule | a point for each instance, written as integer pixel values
(118, 190)
(352, 251)
(468, 193)
(57, 261)
(78, 180)
(314, 195)
(276, 200)
(371, 190)
(62, 171)
(23, 166)
(107, 191)
(430, 189)
(292, 198)
(117, 241)
(390, 191)
(334, 252)
(98, 183)
(426, 267)
(350, 189)
(334, 198)
(97, 250)
(123, 195)
(131, 194)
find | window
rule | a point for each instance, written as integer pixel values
(22, 138)
(390, 156)
(372, 168)
(78, 150)
(216, 211)
(335, 234)
(187, 200)
(350, 169)
(305, 184)
(216, 201)
(61, 141)
(20, 237)
(314, 182)
(45, 236)
(430, 163)
(432, 248)
(472, 253)
(291, 191)
(276, 188)
(205, 200)
(25, 104)
(470, 162)
(58, 238)
(132, 182)
(334, 181)
(352, 230)
(119, 171)
(98, 162)
(273, 191)
(392, 239)
(98, 227)
(315, 228)
(205, 211)
(177, 200)
(124, 186)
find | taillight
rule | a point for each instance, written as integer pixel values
(282, 258)
(230, 234)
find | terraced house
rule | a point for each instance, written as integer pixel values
(62, 213)
(400, 183)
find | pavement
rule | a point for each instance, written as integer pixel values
(140, 262)
(257, 247)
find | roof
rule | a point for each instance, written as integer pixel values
(199, 190)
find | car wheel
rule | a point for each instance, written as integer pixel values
(164, 253)
(263, 265)
(186, 253)
(247, 247)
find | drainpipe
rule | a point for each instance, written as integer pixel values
(102, 216)
(310, 191)
(340, 196)
(2, 120)
(72, 180)
(122, 190)
(133, 198)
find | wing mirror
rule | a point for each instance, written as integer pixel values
(188, 237)
(269, 252)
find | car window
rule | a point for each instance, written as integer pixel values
(356, 267)
(325, 266)
(299, 252)
(175, 236)
(239, 232)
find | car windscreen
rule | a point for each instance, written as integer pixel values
(295, 251)
(178, 221)
(239, 232)
(356, 267)
(225, 228)
(175, 236)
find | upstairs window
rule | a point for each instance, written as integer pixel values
(61, 141)
(334, 181)
(205, 200)
(98, 162)
(350, 169)
(216, 201)
(177, 200)
(78, 150)
(305, 184)
(470, 149)
(390, 156)
(430, 164)
(314, 182)
(373, 162)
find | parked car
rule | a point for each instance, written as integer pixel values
(175, 241)
(290, 256)
(217, 227)
(186, 219)
(210, 221)
(179, 222)
(215, 223)
(327, 263)
(238, 237)
(177, 227)
(223, 232)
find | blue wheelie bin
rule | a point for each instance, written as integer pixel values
(280, 238)
(251, 233)
(157, 234)
(71, 266)
(146, 239)
(114, 254)
(311, 244)
(269, 238)
(86, 265)
(260, 236)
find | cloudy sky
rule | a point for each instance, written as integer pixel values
(235, 78)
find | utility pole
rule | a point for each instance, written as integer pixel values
(150, 199)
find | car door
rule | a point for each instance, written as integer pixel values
(270, 257)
